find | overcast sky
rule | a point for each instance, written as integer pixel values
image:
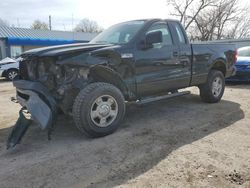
(106, 12)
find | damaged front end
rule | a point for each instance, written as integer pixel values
(44, 87)
(51, 78)
(37, 101)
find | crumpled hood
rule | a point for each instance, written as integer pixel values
(64, 49)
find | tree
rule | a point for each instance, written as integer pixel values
(4, 23)
(88, 26)
(37, 24)
(188, 10)
(241, 28)
(217, 22)
(211, 19)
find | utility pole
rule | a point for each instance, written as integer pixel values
(73, 33)
(50, 22)
(72, 21)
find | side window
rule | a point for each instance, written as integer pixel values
(179, 32)
(167, 40)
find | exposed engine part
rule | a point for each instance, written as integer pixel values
(83, 73)
(60, 80)
(51, 74)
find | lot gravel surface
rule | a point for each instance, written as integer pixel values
(179, 142)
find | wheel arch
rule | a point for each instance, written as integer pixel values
(5, 72)
(219, 65)
(101, 73)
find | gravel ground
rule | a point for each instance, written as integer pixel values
(178, 142)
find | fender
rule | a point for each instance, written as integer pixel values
(219, 64)
(102, 73)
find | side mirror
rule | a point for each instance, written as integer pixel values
(153, 38)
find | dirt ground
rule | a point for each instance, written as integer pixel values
(179, 142)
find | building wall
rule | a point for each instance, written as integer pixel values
(26, 48)
(2, 49)
(7, 50)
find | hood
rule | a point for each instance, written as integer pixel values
(243, 60)
(64, 49)
(7, 60)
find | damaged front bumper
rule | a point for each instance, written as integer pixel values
(40, 104)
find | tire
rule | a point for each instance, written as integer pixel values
(213, 90)
(11, 74)
(96, 102)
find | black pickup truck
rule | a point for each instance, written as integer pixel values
(136, 61)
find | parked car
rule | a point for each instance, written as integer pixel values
(135, 61)
(9, 68)
(242, 65)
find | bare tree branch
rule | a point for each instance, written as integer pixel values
(88, 26)
(203, 5)
(37, 24)
(4, 23)
(211, 19)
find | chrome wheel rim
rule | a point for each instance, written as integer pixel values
(104, 111)
(12, 75)
(217, 86)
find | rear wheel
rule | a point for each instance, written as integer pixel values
(98, 109)
(213, 90)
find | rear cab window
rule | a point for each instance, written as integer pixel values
(177, 32)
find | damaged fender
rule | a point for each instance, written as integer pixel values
(39, 110)
(18, 130)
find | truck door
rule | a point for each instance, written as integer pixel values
(158, 68)
(185, 51)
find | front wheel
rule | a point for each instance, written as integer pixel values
(213, 90)
(11, 74)
(98, 109)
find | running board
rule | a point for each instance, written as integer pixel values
(152, 99)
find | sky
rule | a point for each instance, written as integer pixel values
(67, 13)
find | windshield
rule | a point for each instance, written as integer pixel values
(245, 52)
(119, 34)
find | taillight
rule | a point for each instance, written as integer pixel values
(235, 56)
